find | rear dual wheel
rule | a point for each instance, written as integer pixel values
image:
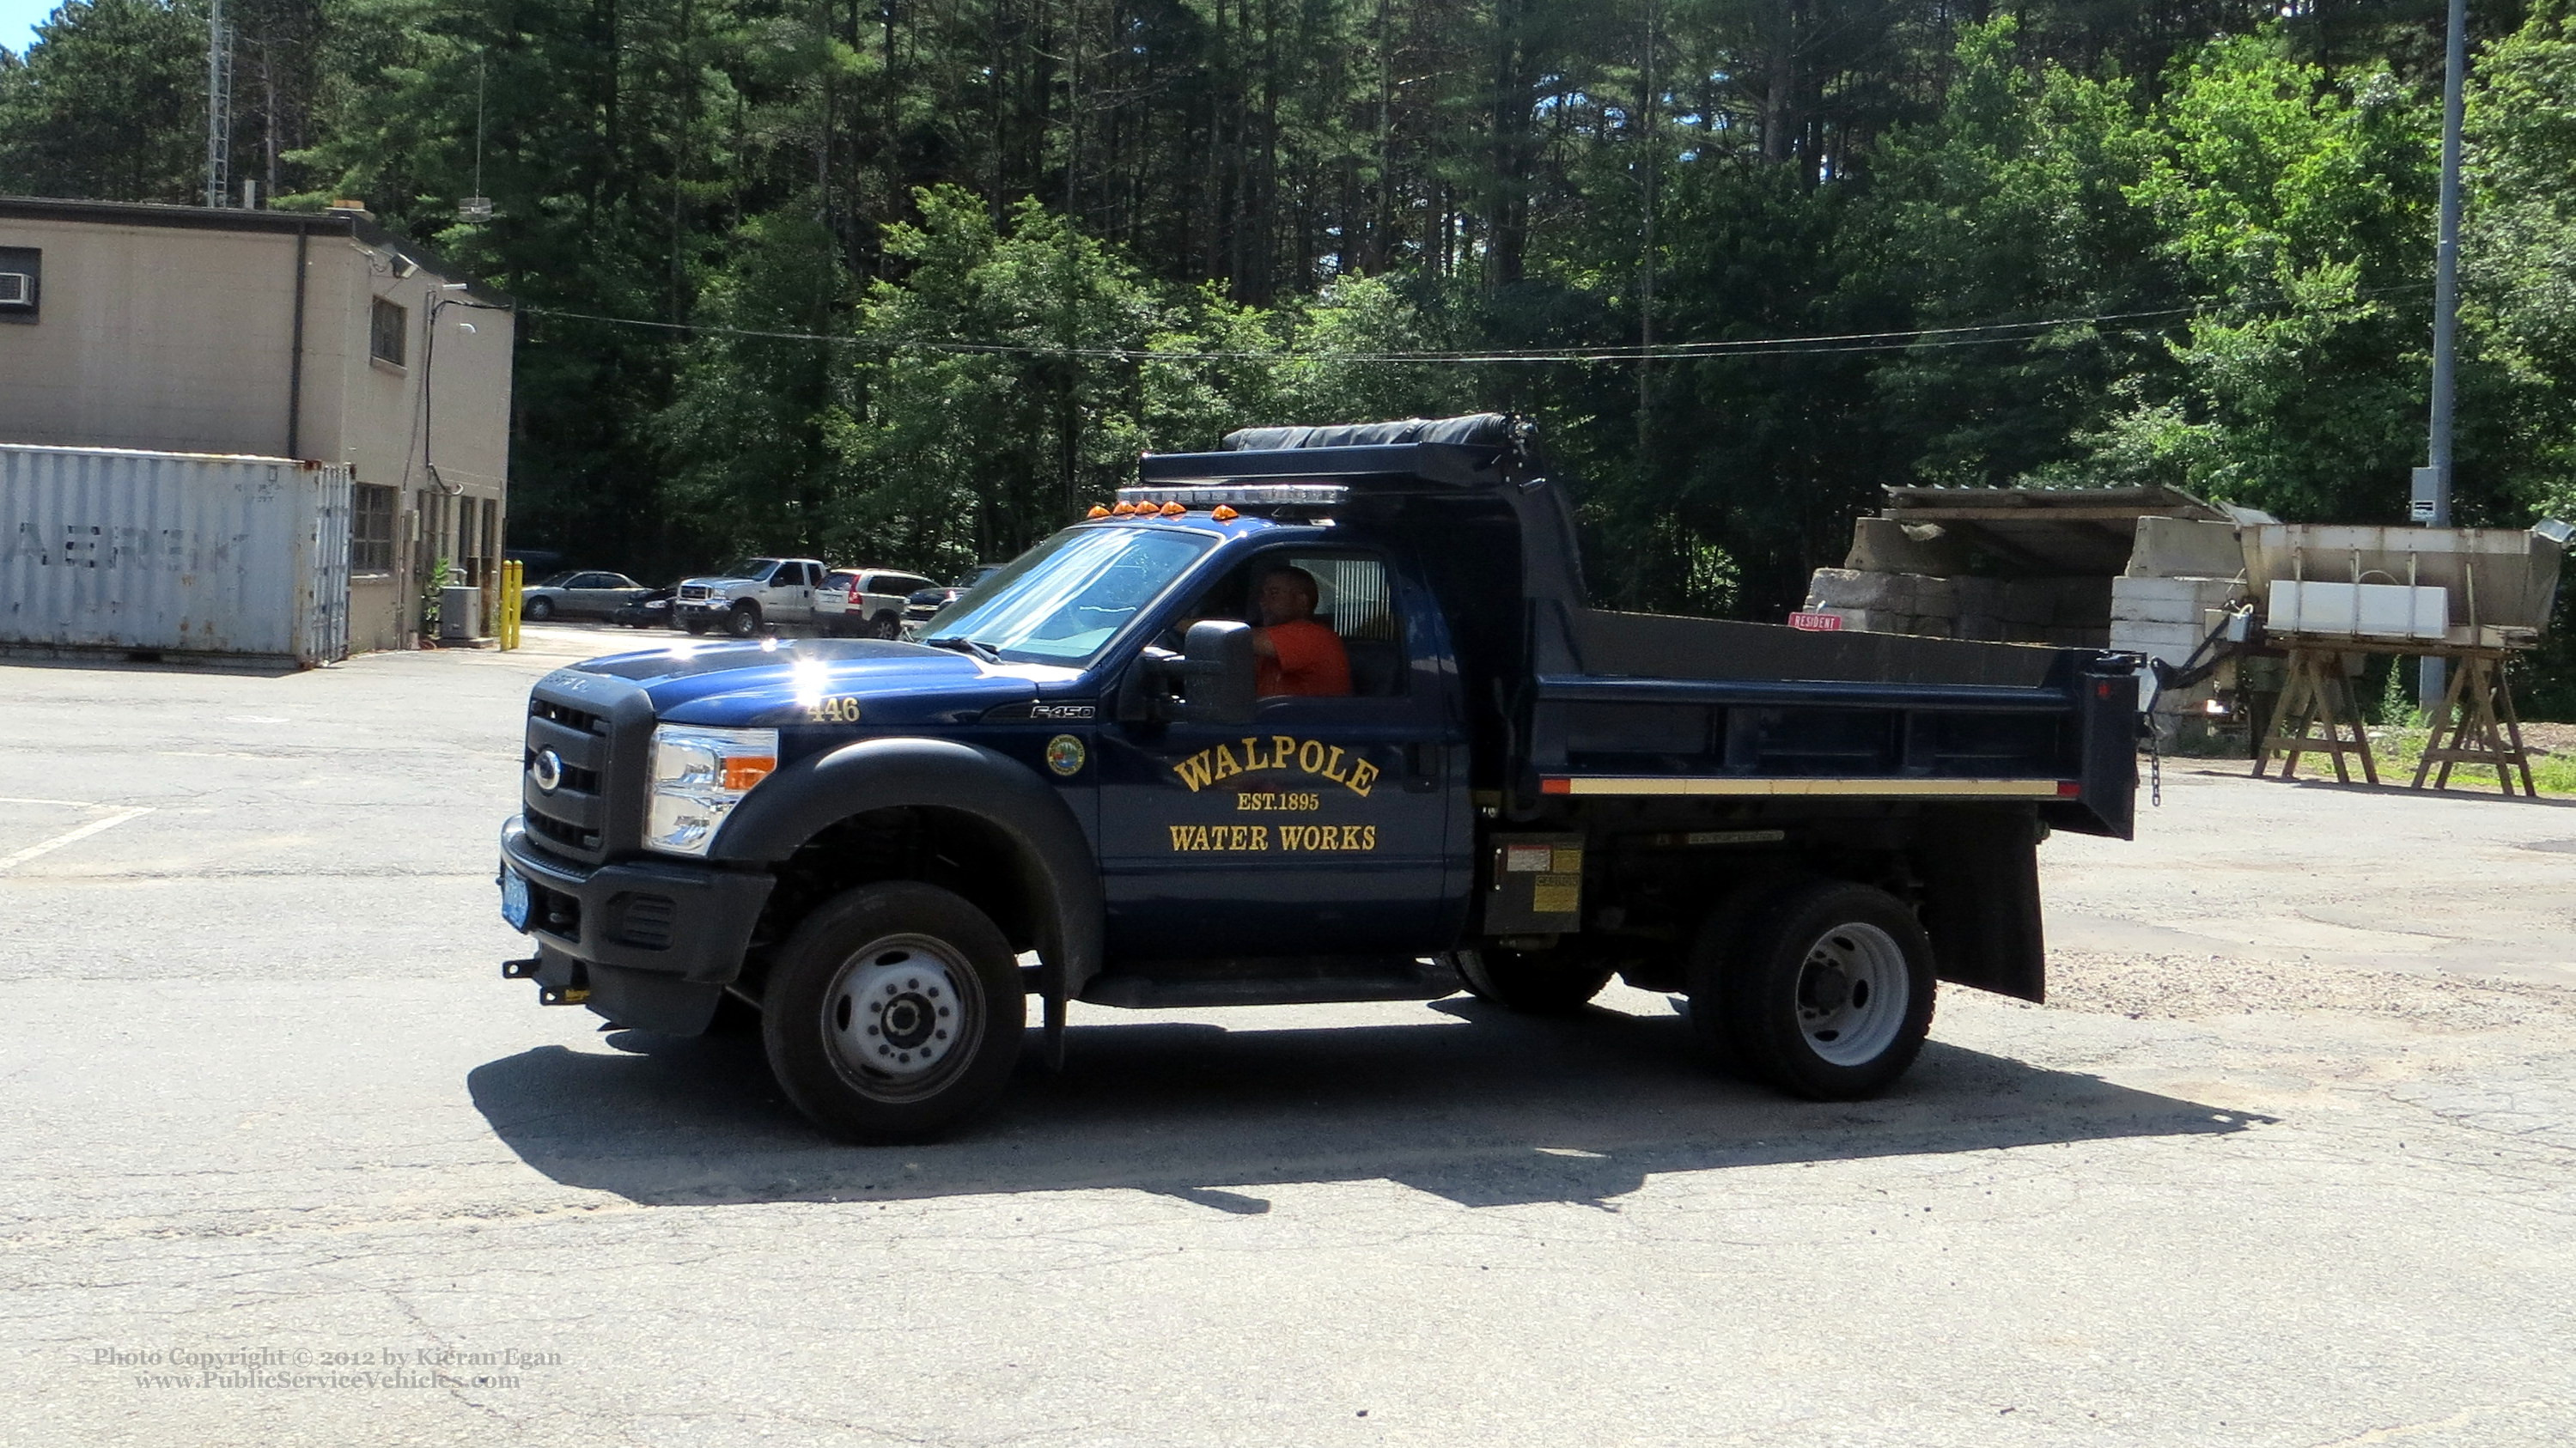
(1823, 989)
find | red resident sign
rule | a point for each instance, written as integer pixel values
(1817, 622)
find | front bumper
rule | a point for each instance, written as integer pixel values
(684, 922)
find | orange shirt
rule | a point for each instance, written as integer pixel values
(1310, 661)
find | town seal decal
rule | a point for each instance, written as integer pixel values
(1065, 754)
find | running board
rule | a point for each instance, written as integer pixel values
(1271, 981)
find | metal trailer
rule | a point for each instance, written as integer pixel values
(193, 554)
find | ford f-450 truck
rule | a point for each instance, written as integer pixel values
(1518, 793)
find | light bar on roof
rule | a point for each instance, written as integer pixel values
(1265, 495)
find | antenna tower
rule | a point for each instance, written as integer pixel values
(219, 106)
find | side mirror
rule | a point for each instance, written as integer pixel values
(1215, 674)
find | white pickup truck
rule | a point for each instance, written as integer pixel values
(750, 596)
(865, 601)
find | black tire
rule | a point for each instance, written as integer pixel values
(1537, 983)
(922, 956)
(1801, 989)
(538, 610)
(743, 620)
(886, 626)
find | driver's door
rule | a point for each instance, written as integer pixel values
(1321, 827)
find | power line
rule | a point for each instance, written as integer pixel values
(1980, 334)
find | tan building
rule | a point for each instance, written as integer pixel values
(311, 336)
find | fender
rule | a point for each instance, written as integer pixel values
(1064, 897)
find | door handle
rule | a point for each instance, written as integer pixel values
(1421, 767)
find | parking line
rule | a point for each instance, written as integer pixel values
(11, 862)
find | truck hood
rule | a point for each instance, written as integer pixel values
(709, 582)
(773, 682)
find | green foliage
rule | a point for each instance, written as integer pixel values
(110, 103)
(2519, 257)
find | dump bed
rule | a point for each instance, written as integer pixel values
(1651, 705)
(1579, 701)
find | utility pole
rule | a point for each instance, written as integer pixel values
(1635, 596)
(219, 106)
(2432, 500)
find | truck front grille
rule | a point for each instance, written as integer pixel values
(693, 593)
(598, 744)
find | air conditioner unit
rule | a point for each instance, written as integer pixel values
(17, 289)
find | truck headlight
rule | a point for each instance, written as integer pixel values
(696, 777)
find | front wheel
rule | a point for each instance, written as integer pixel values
(744, 621)
(1533, 982)
(1826, 994)
(538, 610)
(895, 1011)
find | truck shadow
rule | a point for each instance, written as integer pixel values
(1470, 1103)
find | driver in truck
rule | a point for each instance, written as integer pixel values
(1297, 654)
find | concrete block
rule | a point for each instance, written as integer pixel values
(1909, 593)
(2185, 548)
(2169, 600)
(2155, 637)
(1979, 626)
(1883, 545)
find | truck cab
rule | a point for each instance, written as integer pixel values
(1075, 786)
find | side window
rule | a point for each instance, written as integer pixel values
(388, 325)
(22, 280)
(371, 528)
(1353, 598)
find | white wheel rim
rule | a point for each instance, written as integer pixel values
(1852, 994)
(902, 1016)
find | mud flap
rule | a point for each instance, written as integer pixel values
(1980, 873)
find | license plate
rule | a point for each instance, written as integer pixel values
(515, 905)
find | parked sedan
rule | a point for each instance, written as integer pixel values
(653, 610)
(580, 595)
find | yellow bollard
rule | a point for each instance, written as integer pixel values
(513, 584)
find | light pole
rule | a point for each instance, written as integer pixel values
(2432, 501)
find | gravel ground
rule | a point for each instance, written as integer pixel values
(2197, 987)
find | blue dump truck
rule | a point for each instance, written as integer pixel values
(1453, 771)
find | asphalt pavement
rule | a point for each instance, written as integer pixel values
(2289, 1160)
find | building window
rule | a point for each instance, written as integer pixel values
(385, 334)
(371, 528)
(22, 274)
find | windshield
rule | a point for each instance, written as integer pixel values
(750, 568)
(1060, 602)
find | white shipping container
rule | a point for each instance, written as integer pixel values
(180, 552)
